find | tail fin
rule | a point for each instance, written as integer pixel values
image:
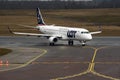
(39, 17)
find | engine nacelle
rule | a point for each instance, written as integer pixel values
(53, 39)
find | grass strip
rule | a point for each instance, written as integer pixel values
(4, 51)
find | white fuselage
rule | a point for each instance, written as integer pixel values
(54, 33)
(66, 33)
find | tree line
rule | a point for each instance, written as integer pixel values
(57, 4)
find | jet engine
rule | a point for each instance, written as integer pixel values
(53, 39)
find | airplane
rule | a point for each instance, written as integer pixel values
(54, 33)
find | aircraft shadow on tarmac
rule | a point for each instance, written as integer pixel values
(56, 45)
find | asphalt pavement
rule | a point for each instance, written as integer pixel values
(33, 59)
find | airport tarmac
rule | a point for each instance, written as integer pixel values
(33, 59)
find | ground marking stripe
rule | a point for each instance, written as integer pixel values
(90, 68)
(23, 65)
(104, 76)
(60, 78)
(93, 65)
(64, 63)
(107, 62)
(75, 75)
(60, 62)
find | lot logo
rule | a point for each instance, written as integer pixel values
(71, 34)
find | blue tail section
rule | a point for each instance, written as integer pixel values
(39, 17)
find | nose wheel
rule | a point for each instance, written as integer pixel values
(83, 43)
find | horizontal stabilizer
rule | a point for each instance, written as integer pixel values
(26, 26)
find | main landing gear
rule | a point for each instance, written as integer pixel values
(52, 44)
(70, 42)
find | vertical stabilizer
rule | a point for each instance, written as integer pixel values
(39, 17)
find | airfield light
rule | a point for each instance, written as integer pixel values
(7, 63)
(1, 62)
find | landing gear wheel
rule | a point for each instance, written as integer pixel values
(83, 43)
(70, 42)
(51, 44)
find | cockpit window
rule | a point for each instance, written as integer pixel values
(84, 32)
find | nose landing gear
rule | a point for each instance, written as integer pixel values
(83, 43)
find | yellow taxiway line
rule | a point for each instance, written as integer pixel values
(72, 76)
(107, 62)
(90, 68)
(104, 76)
(23, 65)
(60, 62)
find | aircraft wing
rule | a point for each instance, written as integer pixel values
(39, 35)
(97, 32)
(35, 34)
(26, 26)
